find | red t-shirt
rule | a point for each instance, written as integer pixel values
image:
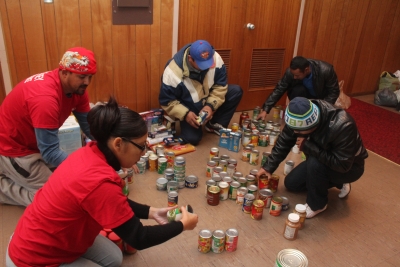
(37, 102)
(82, 197)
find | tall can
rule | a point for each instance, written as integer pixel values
(246, 153)
(252, 189)
(224, 188)
(204, 241)
(254, 157)
(214, 152)
(231, 239)
(241, 192)
(210, 168)
(243, 116)
(264, 158)
(213, 195)
(251, 179)
(263, 182)
(263, 139)
(289, 165)
(218, 241)
(237, 175)
(233, 190)
(273, 182)
(246, 139)
(256, 112)
(170, 155)
(257, 209)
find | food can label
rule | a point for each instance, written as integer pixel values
(218, 244)
(204, 244)
(257, 212)
(231, 243)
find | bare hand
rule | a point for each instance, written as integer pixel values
(262, 115)
(189, 220)
(160, 214)
(191, 118)
(261, 171)
(209, 111)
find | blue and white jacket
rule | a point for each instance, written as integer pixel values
(181, 92)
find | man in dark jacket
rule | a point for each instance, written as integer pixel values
(309, 78)
(332, 145)
(195, 80)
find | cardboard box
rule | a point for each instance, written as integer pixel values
(235, 141)
(170, 124)
(70, 135)
(224, 138)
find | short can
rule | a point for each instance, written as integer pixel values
(204, 241)
(208, 184)
(257, 209)
(213, 195)
(251, 179)
(172, 198)
(218, 241)
(231, 239)
(191, 181)
(162, 184)
(289, 165)
(290, 258)
(276, 206)
(264, 157)
(159, 150)
(247, 203)
(169, 174)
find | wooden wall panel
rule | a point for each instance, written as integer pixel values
(143, 62)
(393, 44)
(154, 74)
(8, 42)
(53, 53)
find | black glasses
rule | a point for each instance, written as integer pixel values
(142, 148)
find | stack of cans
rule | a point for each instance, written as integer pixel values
(180, 171)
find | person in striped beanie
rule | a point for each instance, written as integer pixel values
(332, 145)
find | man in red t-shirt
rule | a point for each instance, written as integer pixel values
(30, 117)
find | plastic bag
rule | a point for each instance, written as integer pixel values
(388, 80)
(343, 101)
(385, 97)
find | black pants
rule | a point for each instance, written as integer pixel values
(223, 115)
(316, 178)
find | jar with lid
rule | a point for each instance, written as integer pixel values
(300, 209)
(291, 226)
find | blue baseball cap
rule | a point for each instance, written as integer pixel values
(202, 53)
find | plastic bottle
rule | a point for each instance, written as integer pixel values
(291, 227)
(300, 209)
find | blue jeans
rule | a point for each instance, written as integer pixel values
(103, 252)
(222, 115)
(316, 178)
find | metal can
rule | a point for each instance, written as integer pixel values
(214, 152)
(208, 184)
(216, 160)
(227, 179)
(213, 195)
(217, 178)
(145, 158)
(256, 112)
(272, 138)
(224, 188)
(233, 190)
(162, 165)
(225, 157)
(264, 158)
(276, 206)
(217, 170)
(218, 241)
(231, 239)
(179, 164)
(141, 164)
(242, 181)
(233, 162)
(210, 168)
(246, 154)
(291, 258)
(246, 139)
(169, 174)
(254, 139)
(172, 186)
(269, 125)
(159, 150)
(261, 126)
(289, 165)
(276, 127)
(285, 203)
(246, 124)
(254, 157)
(153, 162)
(276, 111)
(202, 117)
(263, 139)
(170, 155)
(129, 175)
(172, 198)
(247, 203)
(235, 127)
(240, 193)
(204, 241)
(252, 189)
(243, 117)
(230, 169)
(273, 182)
(224, 164)
(191, 181)
(223, 174)
(266, 196)
(253, 124)
(253, 172)
(263, 182)
(257, 209)
(251, 179)
(162, 184)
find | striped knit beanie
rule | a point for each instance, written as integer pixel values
(301, 114)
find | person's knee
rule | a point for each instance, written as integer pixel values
(118, 258)
(191, 139)
(236, 90)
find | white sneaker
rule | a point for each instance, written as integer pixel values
(310, 213)
(345, 191)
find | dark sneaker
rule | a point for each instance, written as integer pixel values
(213, 127)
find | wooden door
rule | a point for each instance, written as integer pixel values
(255, 59)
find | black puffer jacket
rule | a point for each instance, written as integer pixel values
(325, 84)
(336, 141)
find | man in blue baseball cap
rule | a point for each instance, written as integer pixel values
(333, 148)
(195, 80)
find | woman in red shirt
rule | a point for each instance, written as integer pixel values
(83, 196)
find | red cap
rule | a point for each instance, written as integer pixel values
(78, 60)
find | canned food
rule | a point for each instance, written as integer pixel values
(257, 209)
(224, 188)
(204, 242)
(214, 152)
(256, 112)
(217, 171)
(263, 182)
(266, 196)
(276, 206)
(246, 139)
(237, 175)
(243, 117)
(285, 203)
(213, 195)
(269, 125)
(291, 258)
(251, 179)
(202, 117)
(170, 155)
(231, 239)
(235, 127)
(254, 157)
(141, 164)
(191, 181)
(224, 164)
(162, 184)
(223, 174)
(276, 127)
(225, 157)
(174, 215)
(240, 193)
(145, 158)
(263, 139)
(264, 158)
(208, 184)
(153, 162)
(159, 150)
(276, 111)
(252, 189)
(233, 162)
(246, 124)
(216, 160)
(210, 168)
(172, 186)
(217, 178)
(273, 183)
(289, 165)
(162, 165)
(230, 169)
(218, 241)
(233, 190)
(172, 198)
(246, 154)
(254, 172)
(227, 179)
(242, 181)
(254, 139)
(247, 203)
(169, 174)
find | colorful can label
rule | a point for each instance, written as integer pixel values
(263, 139)
(257, 209)
(266, 196)
(273, 183)
(208, 184)
(213, 195)
(218, 241)
(172, 198)
(214, 152)
(231, 239)
(276, 206)
(204, 241)
(233, 190)
(254, 157)
(170, 155)
(247, 203)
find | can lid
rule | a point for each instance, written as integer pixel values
(172, 193)
(205, 233)
(232, 232)
(258, 203)
(214, 189)
(266, 192)
(252, 187)
(211, 163)
(192, 178)
(294, 217)
(214, 149)
(211, 182)
(277, 199)
(300, 208)
(223, 184)
(235, 184)
(250, 177)
(291, 258)
(219, 233)
(285, 200)
(162, 180)
(249, 196)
